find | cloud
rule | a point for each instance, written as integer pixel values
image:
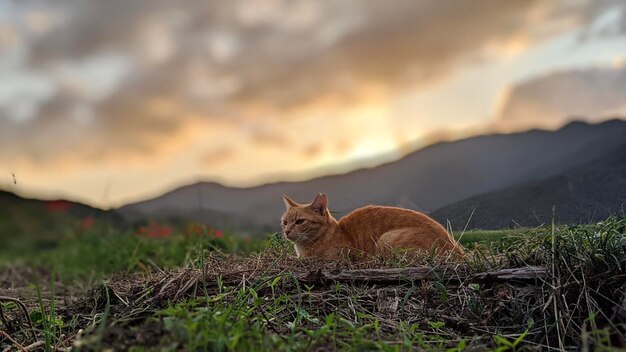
(605, 19)
(555, 98)
(123, 135)
(311, 151)
(217, 156)
(133, 84)
(284, 53)
(265, 137)
(408, 44)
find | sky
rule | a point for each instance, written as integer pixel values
(110, 102)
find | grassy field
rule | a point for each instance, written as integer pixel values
(189, 287)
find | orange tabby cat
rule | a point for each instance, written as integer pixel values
(371, 230)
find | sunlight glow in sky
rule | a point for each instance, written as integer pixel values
(109, 102)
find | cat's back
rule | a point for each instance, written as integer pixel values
(382, 218)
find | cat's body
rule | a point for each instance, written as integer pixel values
(369, 230)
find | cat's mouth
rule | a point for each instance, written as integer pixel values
(295, 237)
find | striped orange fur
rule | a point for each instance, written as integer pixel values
(370, 230)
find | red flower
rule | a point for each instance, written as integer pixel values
(165, 231)
(155, 230)
(195, 229)
(87, 223)
(219, 234)
(57, 206)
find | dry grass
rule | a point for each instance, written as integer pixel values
(572, 298)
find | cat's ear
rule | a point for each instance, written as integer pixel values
(319, 204)
(289, 202)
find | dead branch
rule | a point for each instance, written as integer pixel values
(35, 345)
(511, 274)
(17, 344)
(24, 310)
(395, 275)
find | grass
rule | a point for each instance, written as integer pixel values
(468, 238)
(104, 288)
(92, 255)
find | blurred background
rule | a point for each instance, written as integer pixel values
(145, 145)
(114, 102)
(117, 105)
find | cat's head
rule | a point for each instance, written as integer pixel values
(302, 223)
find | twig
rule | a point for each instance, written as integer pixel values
(24, 309)
(270, 324)
(555, 283)
(466, 224)
(17, 344)
(524, 273)
(33, 346)
(3, 319)
(395, 275)
(118, 297)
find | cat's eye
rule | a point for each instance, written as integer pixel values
(285, 222)
(299, 221)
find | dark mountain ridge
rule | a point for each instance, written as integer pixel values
(584, 194)
(427, 179)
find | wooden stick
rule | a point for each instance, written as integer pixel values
(395, 275)
(25, 311)
(17, 344)
(32, 346)
(523, 273)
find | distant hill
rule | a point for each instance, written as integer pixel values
(584, 194)
(424, 180)
(45, 221)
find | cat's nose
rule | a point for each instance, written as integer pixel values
(287, 232)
